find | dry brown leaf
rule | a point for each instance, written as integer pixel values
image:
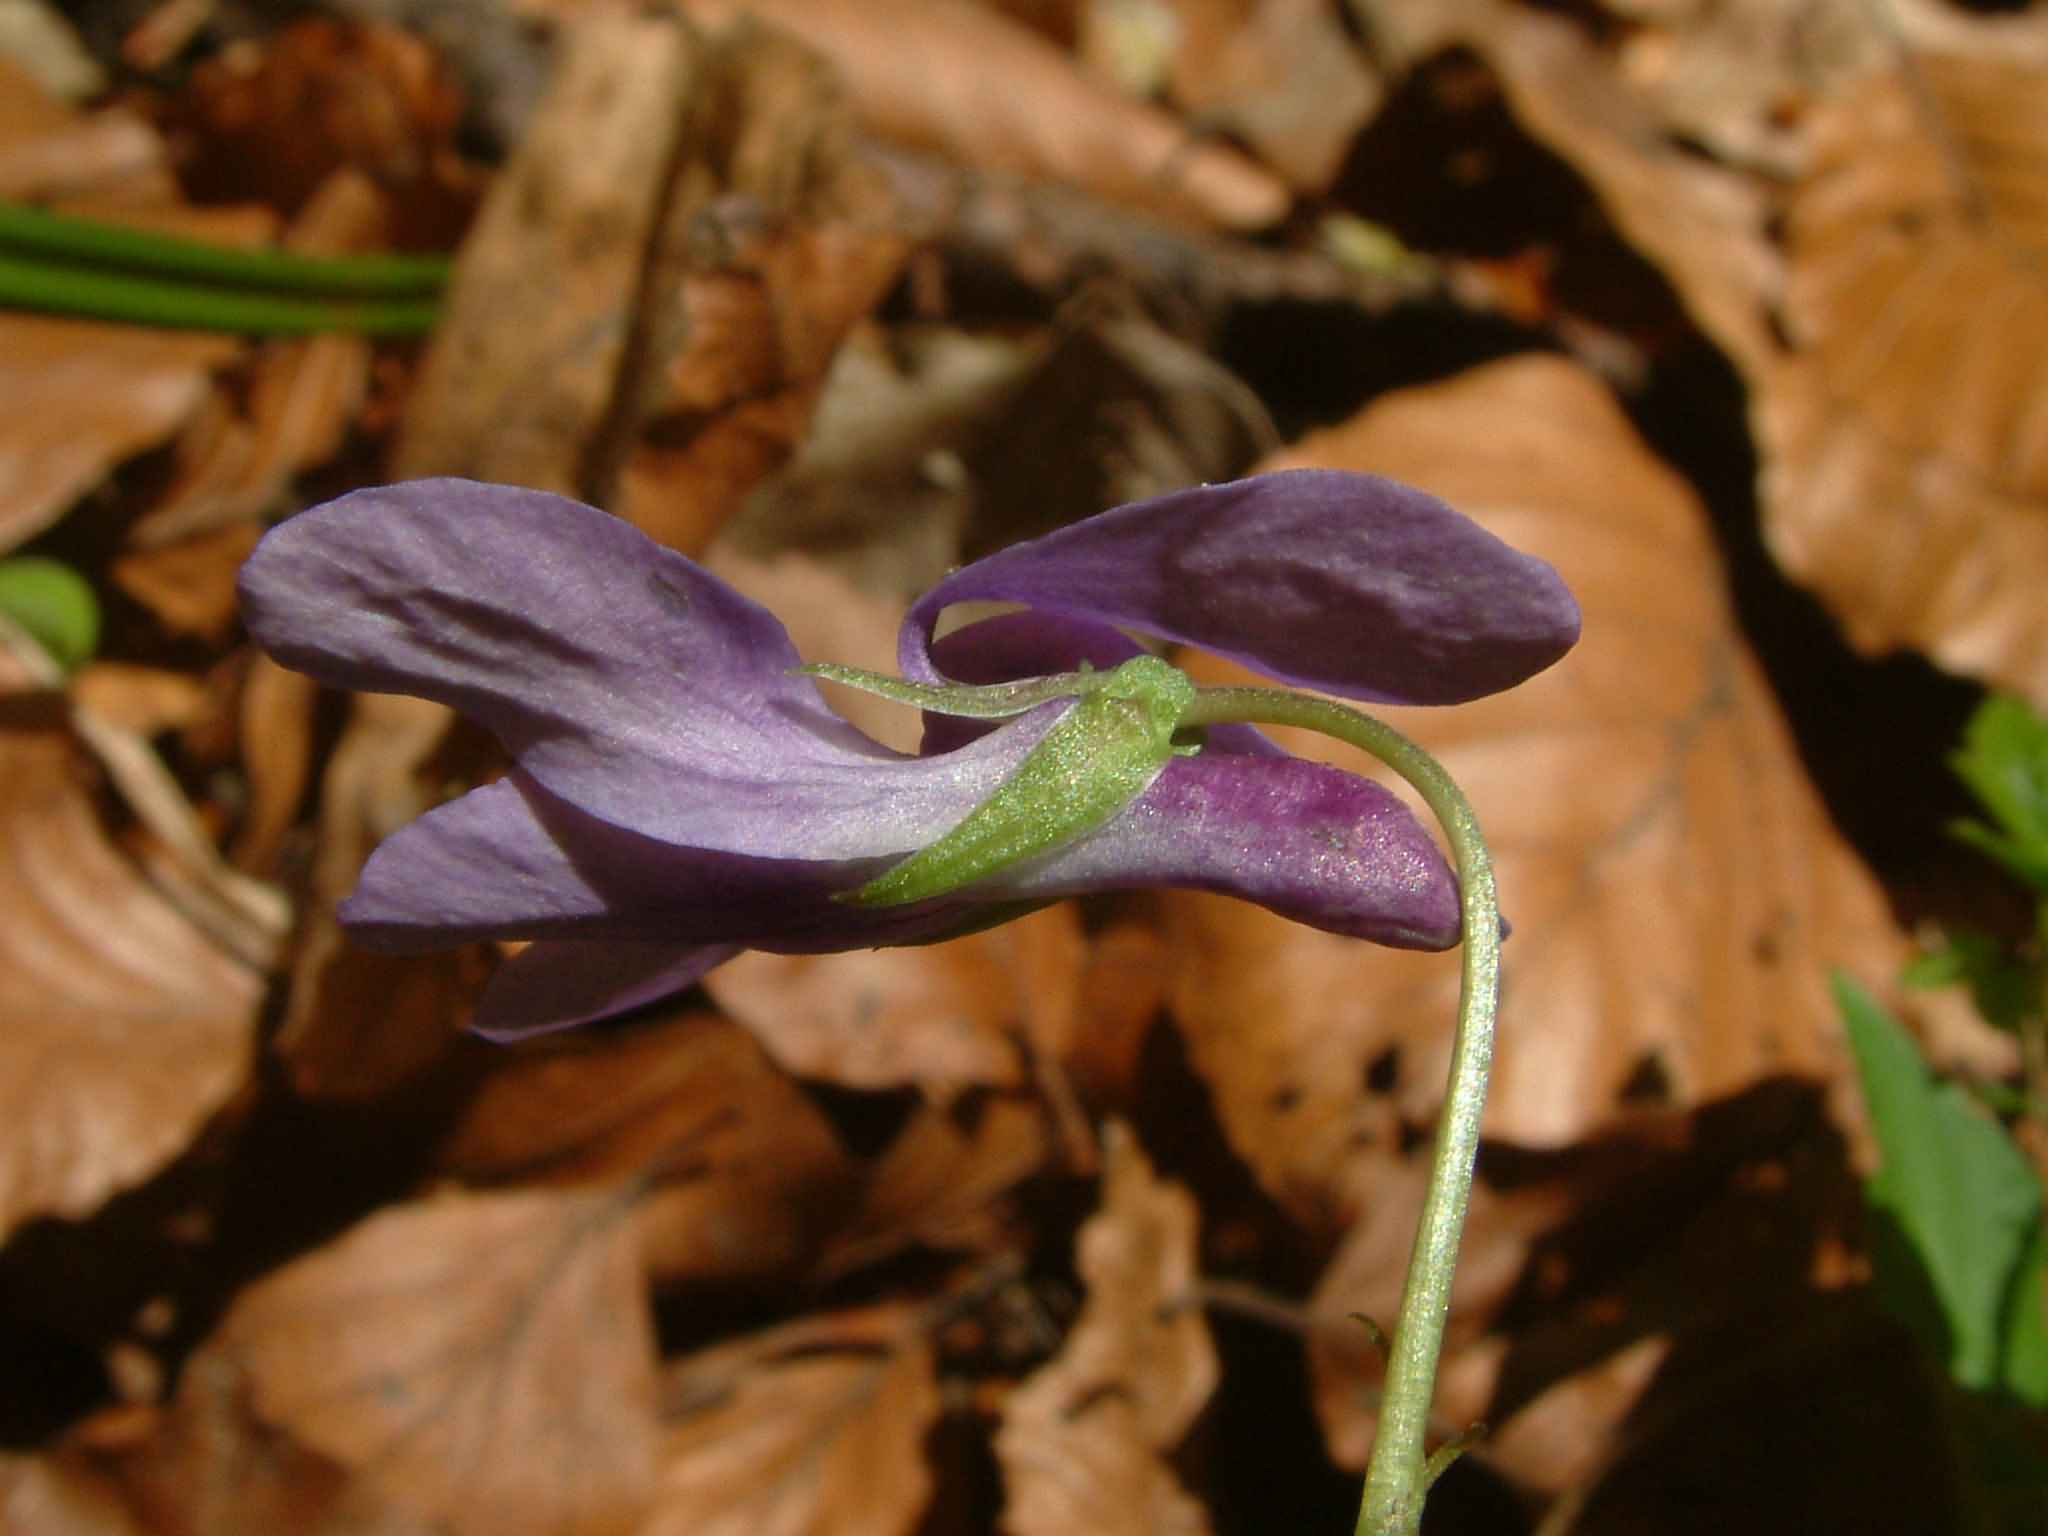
(941, 1181)
(1365, 1278)
(483, 1360)
(274, 117)
(1906, 437)
(235, 462)
(190, 586)
(780, 239)
(745, 1177)
(986, 90)
(1123, 993)
(48, 1496)
(687, 213)
(877, 489)
(101, 392)
(356, 1022)
(1702, 225)
(813, 1429)
(142, 701)
(173, 843)
(941, 1016)
(209, 1466)
(123, 1028)
(1281, 73)
(1083, 1439)
(559, 243)
(1582, 1269)
(828, 619)
(1677, 892)
(50, 150)
(274, 730)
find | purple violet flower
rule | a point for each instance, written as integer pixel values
(679, 792)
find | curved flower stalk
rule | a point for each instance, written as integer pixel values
(680, 791)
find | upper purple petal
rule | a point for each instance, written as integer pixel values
(1322, 578)
(624, 677)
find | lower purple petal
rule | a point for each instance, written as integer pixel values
(1311, 842)
(512, 861)
(549, 986)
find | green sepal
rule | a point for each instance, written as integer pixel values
(971, 701)
(1099, 756)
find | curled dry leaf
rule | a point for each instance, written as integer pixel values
(969, 81)
(274, 728)
(124, 1027)
(943, 1016)
(813, 1429)
(1677, 893)
(485, 1361)
(1906, 436)
(744, 1177)
(1083, 1440)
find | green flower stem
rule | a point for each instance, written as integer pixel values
(141, 300)
(36, 232)
(1400, 1471)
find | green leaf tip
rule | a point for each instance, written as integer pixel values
(1957, 1207)
(55, 605)
(2004, 762)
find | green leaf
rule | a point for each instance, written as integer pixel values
(2026, 1332)
(55, 605)
(1954, 1200)
(2006, 989)
(2004, 761)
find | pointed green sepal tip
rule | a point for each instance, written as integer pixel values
(1099, 756)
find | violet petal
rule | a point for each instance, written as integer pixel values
(549, 986)
(510, 860)
(1308, 840)
(624, 677)
(1321, 578)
